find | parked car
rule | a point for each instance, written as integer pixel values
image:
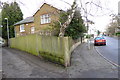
(99, 41)
(3, 43)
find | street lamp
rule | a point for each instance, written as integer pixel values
(87, 24)
(86, 16)
(7, 30)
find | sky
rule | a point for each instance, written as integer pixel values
(98, 11)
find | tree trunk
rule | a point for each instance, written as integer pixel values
(70, 17)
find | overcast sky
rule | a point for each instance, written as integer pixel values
(98, 11)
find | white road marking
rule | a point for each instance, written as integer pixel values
(107, 59)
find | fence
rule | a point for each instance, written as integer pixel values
(56, 49)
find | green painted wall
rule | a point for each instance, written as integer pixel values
(55, 49)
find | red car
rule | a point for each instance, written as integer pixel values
(99, 41)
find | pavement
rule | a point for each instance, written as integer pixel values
(87, 63)
(84, 64)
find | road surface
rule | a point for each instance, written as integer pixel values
(110, 51)
(19, 64)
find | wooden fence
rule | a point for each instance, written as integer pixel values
(55, 49)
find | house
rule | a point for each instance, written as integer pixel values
(39, 22)
(24, 27)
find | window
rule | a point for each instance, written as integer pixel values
(22, 28)
(26, 24)
(45, 19)
(32, 29)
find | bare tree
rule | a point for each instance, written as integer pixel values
(69, 19)
(111, 28)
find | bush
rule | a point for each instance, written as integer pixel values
(88, 36)
(118, 34)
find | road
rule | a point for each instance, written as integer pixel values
(110, 51)
(19, 64)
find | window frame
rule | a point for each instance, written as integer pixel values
(32, 29)
(45, 18)
(22, 28)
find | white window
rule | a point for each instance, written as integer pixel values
(26, 24)
(45, 19)
(32, 29)
(22, 28)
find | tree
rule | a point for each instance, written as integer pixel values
(76, 28)
(111, 28)
(4, 12)
(113, 25)
(69, 18)
(14, 14)
(98, 32)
